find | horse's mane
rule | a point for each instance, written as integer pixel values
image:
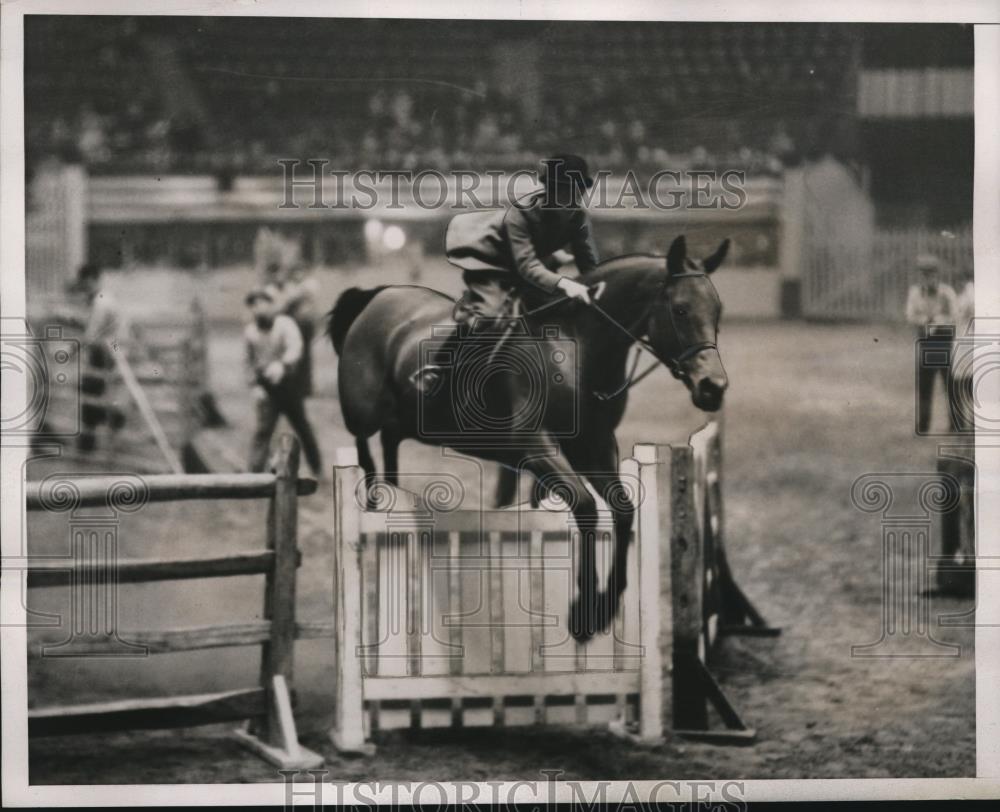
(625, 262)
(435, 291)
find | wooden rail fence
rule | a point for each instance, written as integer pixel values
(271, 731)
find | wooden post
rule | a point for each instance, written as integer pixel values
(277, 740)
(686, 586)
(348, 733)
(653, 465)
(279, 605)
(694, 687)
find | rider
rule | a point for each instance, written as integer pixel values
(507, 254)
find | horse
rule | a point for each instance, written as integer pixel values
(535, 408)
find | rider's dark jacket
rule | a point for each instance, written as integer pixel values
(514, 239)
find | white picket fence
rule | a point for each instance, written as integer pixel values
(869, 279)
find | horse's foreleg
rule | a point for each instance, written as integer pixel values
(557, 476)
(367, 463)
(609, 485)
(507, 488)
(390, 455)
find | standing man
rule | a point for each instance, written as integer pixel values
(931, 310)
(273, 353)
(105, 325)
(294, 293)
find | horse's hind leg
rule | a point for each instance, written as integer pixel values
(390, 455)
(367, 463)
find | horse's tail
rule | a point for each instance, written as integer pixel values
(348, 307)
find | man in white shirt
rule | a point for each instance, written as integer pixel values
(294, 291)
(930, 309)
(273, 353)
(105, 326)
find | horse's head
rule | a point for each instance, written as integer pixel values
(684, 323)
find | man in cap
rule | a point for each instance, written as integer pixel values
(273, 353)
(931, 310)
(509, 254)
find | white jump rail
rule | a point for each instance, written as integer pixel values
(455, 618)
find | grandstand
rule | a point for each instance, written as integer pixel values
(234, 94)
(174, 127)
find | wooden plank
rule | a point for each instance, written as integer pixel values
(536, 600)
(456, 661)
(686, 579)
(163, 642)
(314, 629)
(496, 607)
(148, 714)
(146, 410)
(94, 491)
(348, 733)
(543, 683)
(627, 625)
(284, 750)
(414, 598)
(655, 468)
(371, 558)
(47, 572)
(474, 521)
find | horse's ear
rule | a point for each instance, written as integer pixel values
(676, 255)
(716, 259)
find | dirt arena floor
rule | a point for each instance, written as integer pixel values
(810, 409)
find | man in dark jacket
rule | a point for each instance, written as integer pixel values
(506, 255)
(502, 251)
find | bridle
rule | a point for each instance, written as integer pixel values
(674, 363)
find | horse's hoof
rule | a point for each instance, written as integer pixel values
(595, 618)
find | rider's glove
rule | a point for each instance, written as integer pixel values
(573, 289)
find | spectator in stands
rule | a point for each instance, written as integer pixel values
(273, 352)
(104, 327)
(931, 309)
(92, 141)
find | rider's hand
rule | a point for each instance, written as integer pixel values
(574, 290)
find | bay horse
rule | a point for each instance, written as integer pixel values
(548, 415)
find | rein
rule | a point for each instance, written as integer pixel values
(674, 364)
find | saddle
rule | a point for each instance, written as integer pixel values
(477, 340)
